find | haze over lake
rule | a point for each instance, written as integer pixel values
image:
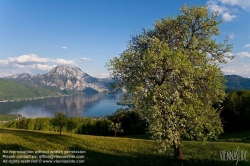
(94, 105)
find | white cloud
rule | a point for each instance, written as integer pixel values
(227, 71)
(63, 61)
(32, 63)
(244, 4)
(64, 47)
(18, 66)
(214, 7)
(4, 62)
(228, 8)
(228, 56)
(85, 59)
(241, 69)
(104, 75)
(231, 36)
(243, 54)
(247, 46)
(101, 75)
(231, 2)
(31, 58)
(45, 67)
(239, 65)
(228, 17)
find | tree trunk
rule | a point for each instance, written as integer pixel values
(115, 133)
(178, 152)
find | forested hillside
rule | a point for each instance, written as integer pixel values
(235, 82)
(13, 91)
(19, 88)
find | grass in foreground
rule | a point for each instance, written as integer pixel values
(117, 151)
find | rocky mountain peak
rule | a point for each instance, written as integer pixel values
(66, 78)
(65, 69)
(71, 78)
(20, 76)
(67, 72)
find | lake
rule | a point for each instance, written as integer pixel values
(94, 105)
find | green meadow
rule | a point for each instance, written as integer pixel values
(138, 150)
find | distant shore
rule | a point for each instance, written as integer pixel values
(36, 98)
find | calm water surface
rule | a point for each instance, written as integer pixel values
(94, 105)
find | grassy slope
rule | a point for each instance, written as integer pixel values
(118, 151)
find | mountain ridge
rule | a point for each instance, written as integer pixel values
(64, 78)
(235, 82)
(13, 91)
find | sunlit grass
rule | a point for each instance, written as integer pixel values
(118, 151)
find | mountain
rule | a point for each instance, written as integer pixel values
(20, 76)
(63, 78)
(236, 82)
(70, 80)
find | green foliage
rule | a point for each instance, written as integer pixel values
(94, 126)
(235, 82)
(116, 128)
(130, 120)
(236, 111)
(103, 126)
(59, 120)
(172, 76)
(9, 117)
(88, 126)
(46, 124)
(71, 124)
(10, 90)
(30, 124)
(80, 125)
(38, 124)
(12, 124)
(22, 124)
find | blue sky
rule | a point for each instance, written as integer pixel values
(36, 36)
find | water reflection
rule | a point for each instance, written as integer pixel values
(75, 105)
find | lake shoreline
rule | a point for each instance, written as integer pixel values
(46, 97)
(100, 104)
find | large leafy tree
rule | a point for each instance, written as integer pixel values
(172, 76)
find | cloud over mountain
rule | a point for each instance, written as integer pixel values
(30, 62)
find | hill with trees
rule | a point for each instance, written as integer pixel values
(10, 90)
(235, 82)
